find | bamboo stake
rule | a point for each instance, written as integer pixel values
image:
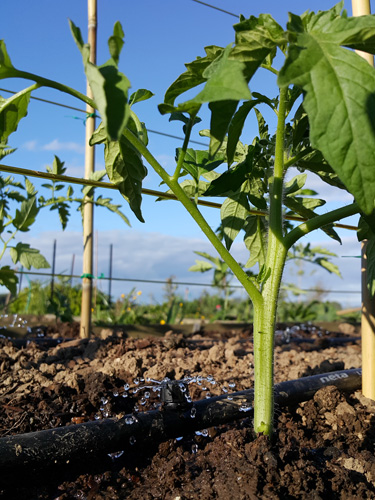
(361, 8)
(88, 212)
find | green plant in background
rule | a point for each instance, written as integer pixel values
(325, 125)
(63, 203)
(221, 278)
(20, 204)
(19, 208)
(65, 302)
(223, 275)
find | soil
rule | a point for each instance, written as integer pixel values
(322, 448)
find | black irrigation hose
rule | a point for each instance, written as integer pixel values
(56, 447)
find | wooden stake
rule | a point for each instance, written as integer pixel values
(88, 212)
(362, 8)
(367, 333)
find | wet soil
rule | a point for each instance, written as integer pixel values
(322, 448)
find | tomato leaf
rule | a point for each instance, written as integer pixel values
(339, 96)
(233, 215)
(25, 217)
(12, 110)
(9, 279)
(28, 257)
(109, 86)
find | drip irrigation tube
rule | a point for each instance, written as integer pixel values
(56, 447)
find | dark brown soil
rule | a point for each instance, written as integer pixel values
(323, 448)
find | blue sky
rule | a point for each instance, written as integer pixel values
(160, 36)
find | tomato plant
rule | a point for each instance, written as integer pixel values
(325, 113)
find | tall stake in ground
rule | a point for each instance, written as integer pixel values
(88, 211)
(362, 8)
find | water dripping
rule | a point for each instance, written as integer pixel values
(245, 407)
(116, 454)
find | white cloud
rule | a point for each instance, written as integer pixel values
(30, 145)
(57, 145)
(156, 256)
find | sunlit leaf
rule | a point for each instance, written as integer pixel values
(233, 215)
(197, 162)
(339, 100)
(28, 257)
(201, 266)
(193, 76)
(295, 184)
(140, 95)
(109, 86)
(328, 265)
(7, 69)
(255, 241)
(236, 127)
(256, 39)
(305, 208)
(12, 110)
(26, 216)
(107, 203)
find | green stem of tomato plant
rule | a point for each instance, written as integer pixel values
(189, 127)
(45, 82)
(319, 222)
(190, 206)
(265, 315)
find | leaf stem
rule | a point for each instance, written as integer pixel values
(181, 158)
(269, 68)
(45, 82)
(291, 161)
(318, 222)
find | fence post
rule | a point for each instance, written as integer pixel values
(53, 269)
(72, 270)
(110, 274)
(88, 209)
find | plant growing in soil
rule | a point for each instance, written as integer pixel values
(325, 124)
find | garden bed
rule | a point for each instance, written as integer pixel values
(322, 448)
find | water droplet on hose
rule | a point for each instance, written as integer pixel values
(116, 454)
(132, 440)
(193, 412)
(246, 407)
